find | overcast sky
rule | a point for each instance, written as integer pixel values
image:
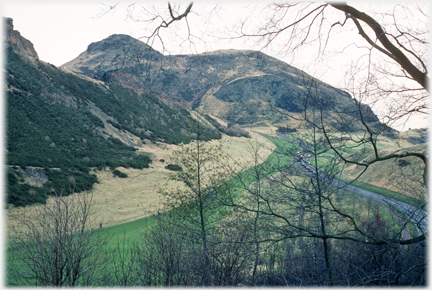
(60, 31)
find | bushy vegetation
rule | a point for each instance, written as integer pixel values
(173, 167)
(20, 194)
(51, 125)
(230, 130)
(120, 174)
(245, 249)
(62, 181)
(285, 130)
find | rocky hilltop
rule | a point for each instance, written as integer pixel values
(60, 125)
(17, 42)
(120, 94)
(236, 85)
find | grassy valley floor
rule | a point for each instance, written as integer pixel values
(120, 200)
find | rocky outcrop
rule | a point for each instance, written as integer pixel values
(17, 42)
(110, 54)
(33, 176)
(235, 85)
(123, 79)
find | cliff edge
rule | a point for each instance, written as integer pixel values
(17, 42)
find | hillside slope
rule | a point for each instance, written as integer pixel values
(403, 175)
(62, 125)
(235, 85)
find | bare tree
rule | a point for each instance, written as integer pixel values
(305, 204)
(58, 245)
(156, 19)
(391, 50)
(302, 210)
(166, 255)
(196, 203)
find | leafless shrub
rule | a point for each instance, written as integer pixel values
(57, 245)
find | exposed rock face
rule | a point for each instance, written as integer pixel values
(235, 85)
(110, 54)
(123, 79)
(17, 42)
(31, 175)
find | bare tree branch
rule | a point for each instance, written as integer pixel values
(391, 50)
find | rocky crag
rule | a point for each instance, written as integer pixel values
(235, 85)
(17, 42)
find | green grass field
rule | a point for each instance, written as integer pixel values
(126, 234)
(132, 231)
(129, 231)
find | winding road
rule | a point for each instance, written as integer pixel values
(416, 215)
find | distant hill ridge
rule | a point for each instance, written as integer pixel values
(64, 125)
(235, 85)
(95, 111)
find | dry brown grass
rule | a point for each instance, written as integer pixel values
(120, 200)
(407, 180)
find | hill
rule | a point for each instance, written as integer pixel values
(61, 125)
(99, 110)
(235, 85)
(404, 175)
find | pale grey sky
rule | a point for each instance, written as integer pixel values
(60, 31)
